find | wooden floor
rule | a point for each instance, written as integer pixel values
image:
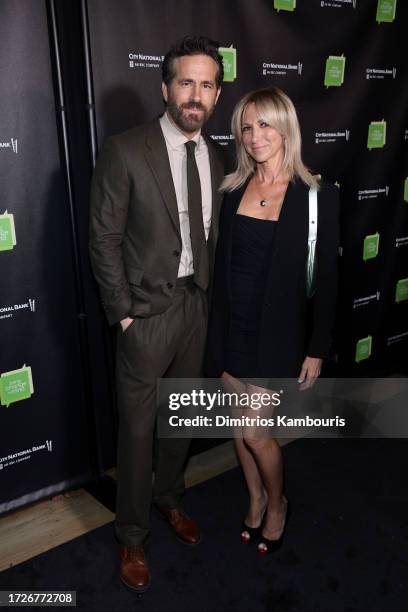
(33, 530)
(44, 525)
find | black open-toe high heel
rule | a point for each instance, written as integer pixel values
(267, 546)
(251, 534)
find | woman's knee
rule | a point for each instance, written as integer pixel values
(256, 444)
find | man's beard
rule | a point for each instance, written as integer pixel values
(188, 122)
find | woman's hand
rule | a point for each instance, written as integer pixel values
(310, 371)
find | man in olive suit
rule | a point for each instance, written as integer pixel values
(153, 230)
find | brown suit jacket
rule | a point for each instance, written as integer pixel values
(135, 241)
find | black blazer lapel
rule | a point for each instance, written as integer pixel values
(158, 160)
(289, 247)
(233, 202)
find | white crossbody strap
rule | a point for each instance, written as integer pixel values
(311, 244)
(312, 214)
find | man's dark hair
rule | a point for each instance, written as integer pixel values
(192, 45)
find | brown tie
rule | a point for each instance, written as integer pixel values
(195, 214)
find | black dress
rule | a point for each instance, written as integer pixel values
(283, 335)
(252, 241)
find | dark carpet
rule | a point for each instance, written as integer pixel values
(346, 546)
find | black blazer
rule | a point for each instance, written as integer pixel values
(284, 340)
(135, 241)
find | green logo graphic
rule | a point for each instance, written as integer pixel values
(401, 290)
(406, 190)
(284, 5)
(376, 134)
(334, 74)
(371, 244)
(7, 232)
(363, 349)
(16, 385)
(229, 58)
(386, 10)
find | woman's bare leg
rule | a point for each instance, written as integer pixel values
(267, 456)
(257, 493)
(256, 490)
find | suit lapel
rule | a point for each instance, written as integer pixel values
(234, 201)
(158, 160)
(291, 235)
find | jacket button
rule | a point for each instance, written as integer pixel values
(170, 285)
(176, 253)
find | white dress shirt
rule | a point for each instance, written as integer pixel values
(175, 143)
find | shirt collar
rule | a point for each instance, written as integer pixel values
(174, 137)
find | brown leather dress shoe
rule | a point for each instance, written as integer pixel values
(184, 527)
(134, 571)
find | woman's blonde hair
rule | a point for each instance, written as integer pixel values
(277, 110)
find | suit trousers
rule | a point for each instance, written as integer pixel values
(170, 344)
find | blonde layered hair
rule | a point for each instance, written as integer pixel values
(276, 109)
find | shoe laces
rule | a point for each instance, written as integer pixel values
(135, 553)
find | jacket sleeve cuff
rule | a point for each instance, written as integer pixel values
(115, 314)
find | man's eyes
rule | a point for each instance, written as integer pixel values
(189, 83)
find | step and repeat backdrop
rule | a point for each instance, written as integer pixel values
(43, 441)
(341, 62)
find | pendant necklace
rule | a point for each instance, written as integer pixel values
(264, 202)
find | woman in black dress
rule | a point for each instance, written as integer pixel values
(257, 326)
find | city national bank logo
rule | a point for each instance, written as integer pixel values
(284, 5)
(381, 73)
(273, 68)
(377, 132)
(7, 232)
(386, 11)
(327, 137)
(16, 385)
(397, 338)
(12, 145)
(365, 301)
(223, 139)
(400, 242)
(338, 3)
(371, 246)
(229, 60)
(401, 290)
(334, 73)
(142, 60)
(25, 455)
(363, 349)
(8, 311)
(370, 194)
